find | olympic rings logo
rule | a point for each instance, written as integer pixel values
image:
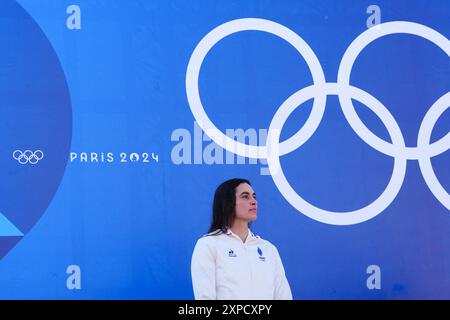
(319, 92)
(28, 156)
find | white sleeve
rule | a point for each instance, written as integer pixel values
(203, 271)
(282, 288)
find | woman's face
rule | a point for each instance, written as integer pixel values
(246, 204)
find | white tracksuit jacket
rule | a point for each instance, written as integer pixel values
(225, 268)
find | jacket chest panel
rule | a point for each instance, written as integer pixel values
(239, 262)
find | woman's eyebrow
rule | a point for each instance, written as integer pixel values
(247, 193)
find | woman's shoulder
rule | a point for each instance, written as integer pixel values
(259, 238)
(214, 233)
(265, 242)
(210, 237)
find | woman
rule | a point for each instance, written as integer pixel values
(232, 263)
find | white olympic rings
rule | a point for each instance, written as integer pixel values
(319, 91)
(28, 156)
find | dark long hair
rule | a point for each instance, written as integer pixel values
(224, 204)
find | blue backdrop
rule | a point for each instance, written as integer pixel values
(107, 177)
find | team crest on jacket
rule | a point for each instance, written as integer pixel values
(261, 257)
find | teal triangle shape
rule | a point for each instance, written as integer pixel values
(7, 229)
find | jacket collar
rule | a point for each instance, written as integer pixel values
(250, 236)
